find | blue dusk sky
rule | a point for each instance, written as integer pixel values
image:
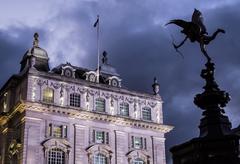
(138, 44)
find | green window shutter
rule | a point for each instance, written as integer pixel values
(93, 136)
(141, 143)
(145, 143)
(50, 129)
(132, 140)
(107, 138)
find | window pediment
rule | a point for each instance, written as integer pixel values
(56, 143)
(99, 148)
(138, 154)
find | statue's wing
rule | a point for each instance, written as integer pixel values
(197, 18)
(179, 22)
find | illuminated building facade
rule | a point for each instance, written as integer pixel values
(67, 115)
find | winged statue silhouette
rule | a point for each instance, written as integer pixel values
(195, 31)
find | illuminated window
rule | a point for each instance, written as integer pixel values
(5, 101)
(75, 100)
(56, 156)
(100, 159)
(124, 109)
(146, 114)
(58, 131)
(139, 142)
(100, 105)
(48, 95)
(138, 161)
(100, 137)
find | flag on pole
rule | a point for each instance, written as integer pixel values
(96, 23)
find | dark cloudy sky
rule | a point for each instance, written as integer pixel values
(138, 44)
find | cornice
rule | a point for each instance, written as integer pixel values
(94, 116)
(85, 115)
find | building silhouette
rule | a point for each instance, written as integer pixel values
(217, 142)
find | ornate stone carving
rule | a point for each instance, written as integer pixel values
(41, 82)
(152, 104)
(106, 95)
(129, 99)
(14, 148)
(138, 154)
(99, 148)
(62, 144)
(55, 85)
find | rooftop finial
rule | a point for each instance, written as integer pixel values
(35, 41)
(155, 86)
(104, 59)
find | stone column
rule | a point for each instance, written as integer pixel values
(159, 156)
(32, 141)
(121, 139)
(80, 144)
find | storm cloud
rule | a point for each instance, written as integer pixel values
(138, 44)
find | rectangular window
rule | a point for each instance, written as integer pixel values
(139, 142)
(58, 131)
(100, 137)
(75, 100)
(56, 156)
(100, 105)
(48, 95)
(146, 114)
(124, 109)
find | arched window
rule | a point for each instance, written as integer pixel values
(124, 109)
(56, 156)
(138, 161)
(100, 105)
(100, 159)
(75, 100)
(48, 95)
(146, 114)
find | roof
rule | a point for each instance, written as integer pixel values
(80, 73)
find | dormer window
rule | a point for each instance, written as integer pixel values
(91, 76)
(68, 70)
(114, 81)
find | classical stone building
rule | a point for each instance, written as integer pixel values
(70, 115)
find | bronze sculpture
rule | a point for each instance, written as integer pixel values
(195, 31)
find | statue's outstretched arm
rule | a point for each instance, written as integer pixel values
(177, 46)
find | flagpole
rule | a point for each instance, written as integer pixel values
(98, 50)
